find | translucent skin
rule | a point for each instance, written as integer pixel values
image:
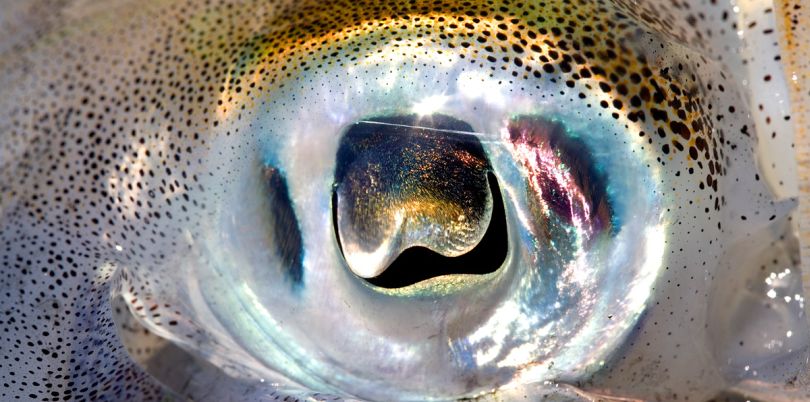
(133, 236)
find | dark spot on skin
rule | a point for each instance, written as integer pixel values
(287, 235)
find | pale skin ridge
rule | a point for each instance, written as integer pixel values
(794, 26)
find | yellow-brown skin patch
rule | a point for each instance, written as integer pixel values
(529, 40)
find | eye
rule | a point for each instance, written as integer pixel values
(400, 200)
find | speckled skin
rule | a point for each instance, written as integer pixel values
(112, 118)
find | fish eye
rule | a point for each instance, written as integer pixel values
(402, 200)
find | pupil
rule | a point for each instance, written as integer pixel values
(485, 258)
(415, 198)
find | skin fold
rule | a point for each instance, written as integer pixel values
(168, 193)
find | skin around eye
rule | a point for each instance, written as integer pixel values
(555, 280)
(174, 168)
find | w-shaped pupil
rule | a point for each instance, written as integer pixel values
(485, 258)
(414, 199)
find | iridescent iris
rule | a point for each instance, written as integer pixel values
(566, 189)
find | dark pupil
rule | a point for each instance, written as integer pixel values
(485, 258)
(437, 179)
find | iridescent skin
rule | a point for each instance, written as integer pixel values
(151, 150)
